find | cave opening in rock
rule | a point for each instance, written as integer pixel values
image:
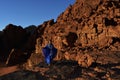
(115, 39)
(110, 22)
(71, 38)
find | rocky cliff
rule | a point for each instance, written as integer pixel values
(87, 32)
(87, 25)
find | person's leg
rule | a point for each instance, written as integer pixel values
(48, 60)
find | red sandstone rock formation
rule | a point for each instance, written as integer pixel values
(87, 25)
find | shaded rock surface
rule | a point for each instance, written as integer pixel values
(23, 75)
(66, 70)
(20, 40)
(12, 37)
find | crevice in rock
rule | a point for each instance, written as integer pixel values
(110, 22)
(95, 26)
(115, 39)
(117, 16)
(71, 38)
(112, 3)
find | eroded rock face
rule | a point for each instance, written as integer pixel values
(98, 23)
(86, 25)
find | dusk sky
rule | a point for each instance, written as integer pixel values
(30, 12)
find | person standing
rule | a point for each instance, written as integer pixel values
(49, 52)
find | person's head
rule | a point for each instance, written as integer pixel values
(50, 42)
(50, 45)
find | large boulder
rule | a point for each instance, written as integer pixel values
(14, 36)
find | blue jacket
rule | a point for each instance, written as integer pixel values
(49, 52)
